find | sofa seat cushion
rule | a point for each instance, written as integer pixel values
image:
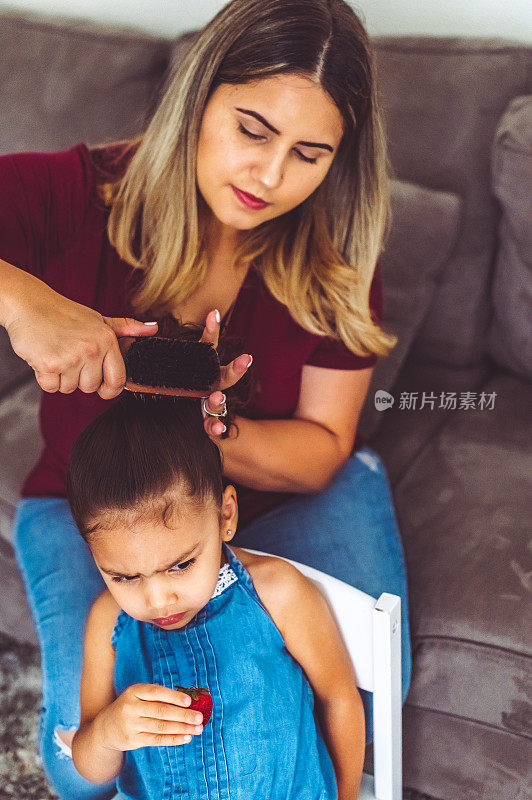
(464, 510)
(20, 445)
(459, 759)
(423, 233)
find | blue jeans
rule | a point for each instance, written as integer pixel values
(349, 531)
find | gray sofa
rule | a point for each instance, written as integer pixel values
(458, 293)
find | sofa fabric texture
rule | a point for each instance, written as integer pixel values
(457, 288)
(461, 629)
(424, 231)
(444, 98)
(55, 87)
(510, 334)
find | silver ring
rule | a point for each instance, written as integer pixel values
(210, 413)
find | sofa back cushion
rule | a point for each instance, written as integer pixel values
(63, 81)
(443, 98)
(510, 335)
(425, 226)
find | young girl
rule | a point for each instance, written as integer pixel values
(184, 608)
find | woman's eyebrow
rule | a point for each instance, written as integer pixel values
(274, 130)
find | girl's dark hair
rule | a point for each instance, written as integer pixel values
(141, 456)
(137, 454)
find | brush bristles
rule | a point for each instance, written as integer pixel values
(172, 363)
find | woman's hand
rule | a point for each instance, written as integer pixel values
(68, 345)
(147, 715)
(229, 375)
(215, 404)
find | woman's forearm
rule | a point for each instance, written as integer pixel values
(285, 455)
(12, 279)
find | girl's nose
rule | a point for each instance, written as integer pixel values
(160, 595)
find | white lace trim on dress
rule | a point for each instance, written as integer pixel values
(226, 577)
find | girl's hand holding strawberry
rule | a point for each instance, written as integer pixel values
(147, 715)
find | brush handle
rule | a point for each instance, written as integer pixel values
(167, 390)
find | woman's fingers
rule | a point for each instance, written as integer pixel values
(90, 377)
(113, 372)
(211, 331)
(126, 326)
(124, 343)
(213, 404)
(231, 373)
(214, 426)
(48, 381)
(69, 380)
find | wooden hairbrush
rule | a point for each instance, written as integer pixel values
(176, 367)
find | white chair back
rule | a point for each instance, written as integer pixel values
(371, 630)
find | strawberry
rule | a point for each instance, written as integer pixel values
(201, 700)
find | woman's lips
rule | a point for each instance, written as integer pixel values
(163, 621)
(248, 199)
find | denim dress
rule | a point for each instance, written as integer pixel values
(262, 741)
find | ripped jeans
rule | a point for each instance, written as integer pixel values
(349, 531)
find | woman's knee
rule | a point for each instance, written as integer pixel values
(55, 738)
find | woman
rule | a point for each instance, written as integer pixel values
(259, 188)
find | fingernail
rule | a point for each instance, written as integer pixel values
(224, 429)
(250, 361)
(223, 399)
(150, 323)
(188, 738)
(217, 315)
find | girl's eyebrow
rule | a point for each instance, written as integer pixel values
(163, 569)
(274, 130)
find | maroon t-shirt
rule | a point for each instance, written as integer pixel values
(52, 225)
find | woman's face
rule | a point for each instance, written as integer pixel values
(274, 139)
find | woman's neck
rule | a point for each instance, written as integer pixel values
(222, 241)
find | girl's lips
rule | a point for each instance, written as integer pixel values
(163, 621)
(249, 200)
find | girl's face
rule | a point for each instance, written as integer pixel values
(274, 138)
(165, 575)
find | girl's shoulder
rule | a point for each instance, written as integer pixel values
(102, 617)
(261, 565)
(282, 588)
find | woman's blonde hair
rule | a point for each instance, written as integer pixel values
(317, 259)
